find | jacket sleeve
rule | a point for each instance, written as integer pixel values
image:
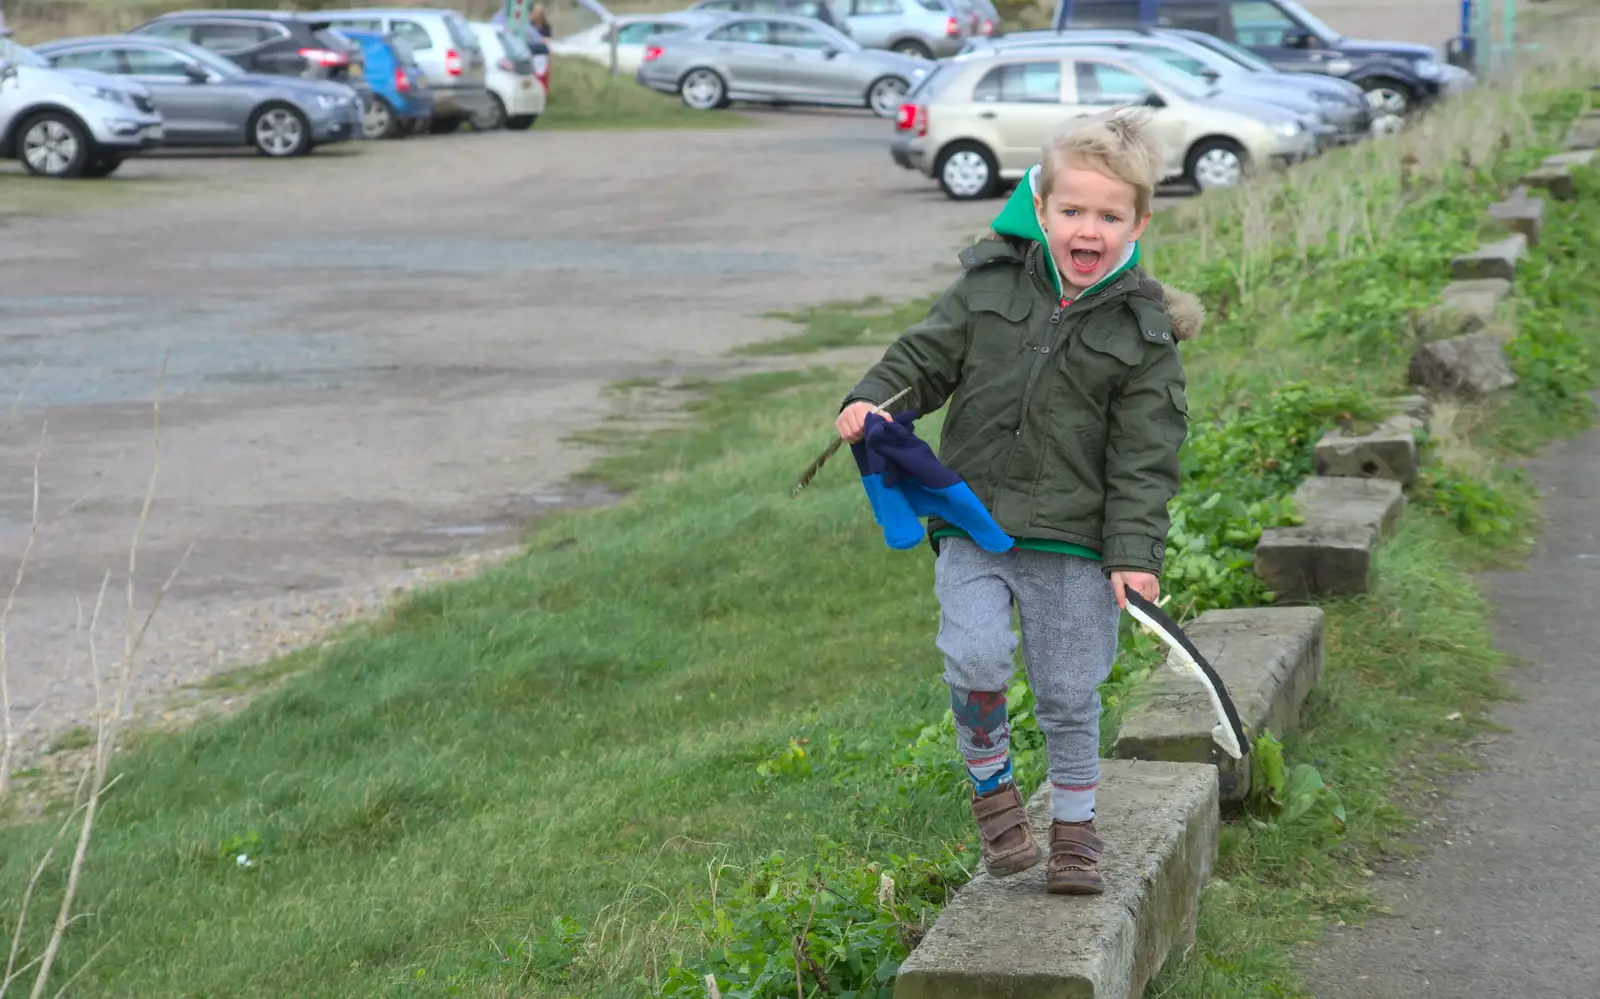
(1149, 421)
(927, 357)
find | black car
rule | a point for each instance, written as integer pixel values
(268, 41)
(1397, 76)
(818, 9)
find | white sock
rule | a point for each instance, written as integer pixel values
(1071, 804)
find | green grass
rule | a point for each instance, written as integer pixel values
(840, 324)
(536, 782)
(583, 94)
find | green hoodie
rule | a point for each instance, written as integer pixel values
(1019, 218)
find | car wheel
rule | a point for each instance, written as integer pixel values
(279, 131)
(378, 120)
(703, 89)
(102, 166)
(492, 117)
(521, 122)
(886, 95)
(914, 49)
(53, 144)
(1386, 96)
(1216, 163)
(968, 172)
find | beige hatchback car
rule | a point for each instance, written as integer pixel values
(981, 119)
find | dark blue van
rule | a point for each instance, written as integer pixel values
(1397, 76)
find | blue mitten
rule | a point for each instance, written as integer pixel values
(890, 508)
(907, 467)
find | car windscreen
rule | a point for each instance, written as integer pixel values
(1174, 79)
(1310, 20)
(12, 54)
(516, 48)
(1238, 54)
(461, 34)
(929, 87)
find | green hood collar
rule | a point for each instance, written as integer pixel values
(1019, 219)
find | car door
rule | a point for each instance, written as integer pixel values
(1098, 85)
(805, 67)
(194, 112)
(1266, 29)
(1020, 105)
(745, 48)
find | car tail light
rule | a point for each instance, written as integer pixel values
(912, 116)
(402, 82)
(652, 53)
(541, 70)
(325, 57)
(452, 62)
(988, 26)
(952, 27)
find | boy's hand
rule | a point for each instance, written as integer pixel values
(852, 423)
(1145, 584)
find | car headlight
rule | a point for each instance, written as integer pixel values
(329, 100)
(1287, 129)
(105, 93)
(1427, 69)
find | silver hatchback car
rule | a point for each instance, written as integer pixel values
(446, 51)
(922, 28)
(775, 59)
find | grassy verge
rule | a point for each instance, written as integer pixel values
(682, 728)
(583, 94)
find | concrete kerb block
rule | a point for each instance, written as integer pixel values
(1570, 159)
(1475, 303)
(1330, 553)
(1584, 134)
(1387, 451)
(1007, 938)
(1269, 657)
(1473, 365)
(1555, 179)
(1491, 260)
(1520, 212)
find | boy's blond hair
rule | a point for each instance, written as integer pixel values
(1117, 143)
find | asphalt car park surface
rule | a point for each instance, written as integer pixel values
(375, 354)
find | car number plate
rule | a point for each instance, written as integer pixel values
(527, 84)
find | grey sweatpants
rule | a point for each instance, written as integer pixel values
(1069, 641)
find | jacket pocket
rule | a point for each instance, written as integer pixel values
(1180, 402)
(1112, 339)
(999, 329)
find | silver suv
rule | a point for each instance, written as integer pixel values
(446, 51)
(923, 28)
(69, 125)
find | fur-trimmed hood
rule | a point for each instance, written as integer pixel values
(1187, 312)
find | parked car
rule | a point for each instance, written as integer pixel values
(982, 15)
(208, 100)
(1335, 109)
(820, 10)
(776, 59)
(267, 41)
(400, 101)
(920, 28)
(445, 49)
(594, 42)
(984, 118)
(516, 96)
(1397, 76)
(67, 125)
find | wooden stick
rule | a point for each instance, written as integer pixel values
(828, 452)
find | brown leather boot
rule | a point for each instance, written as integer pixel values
(1074, 857)
(1008, 844)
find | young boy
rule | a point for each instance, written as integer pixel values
(1058, 357)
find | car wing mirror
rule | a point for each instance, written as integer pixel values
(196, 74)
(1210, 75)
(1297, 39)
(1153, 100)
(828, 52)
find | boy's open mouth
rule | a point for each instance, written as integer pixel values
(1085, 261)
